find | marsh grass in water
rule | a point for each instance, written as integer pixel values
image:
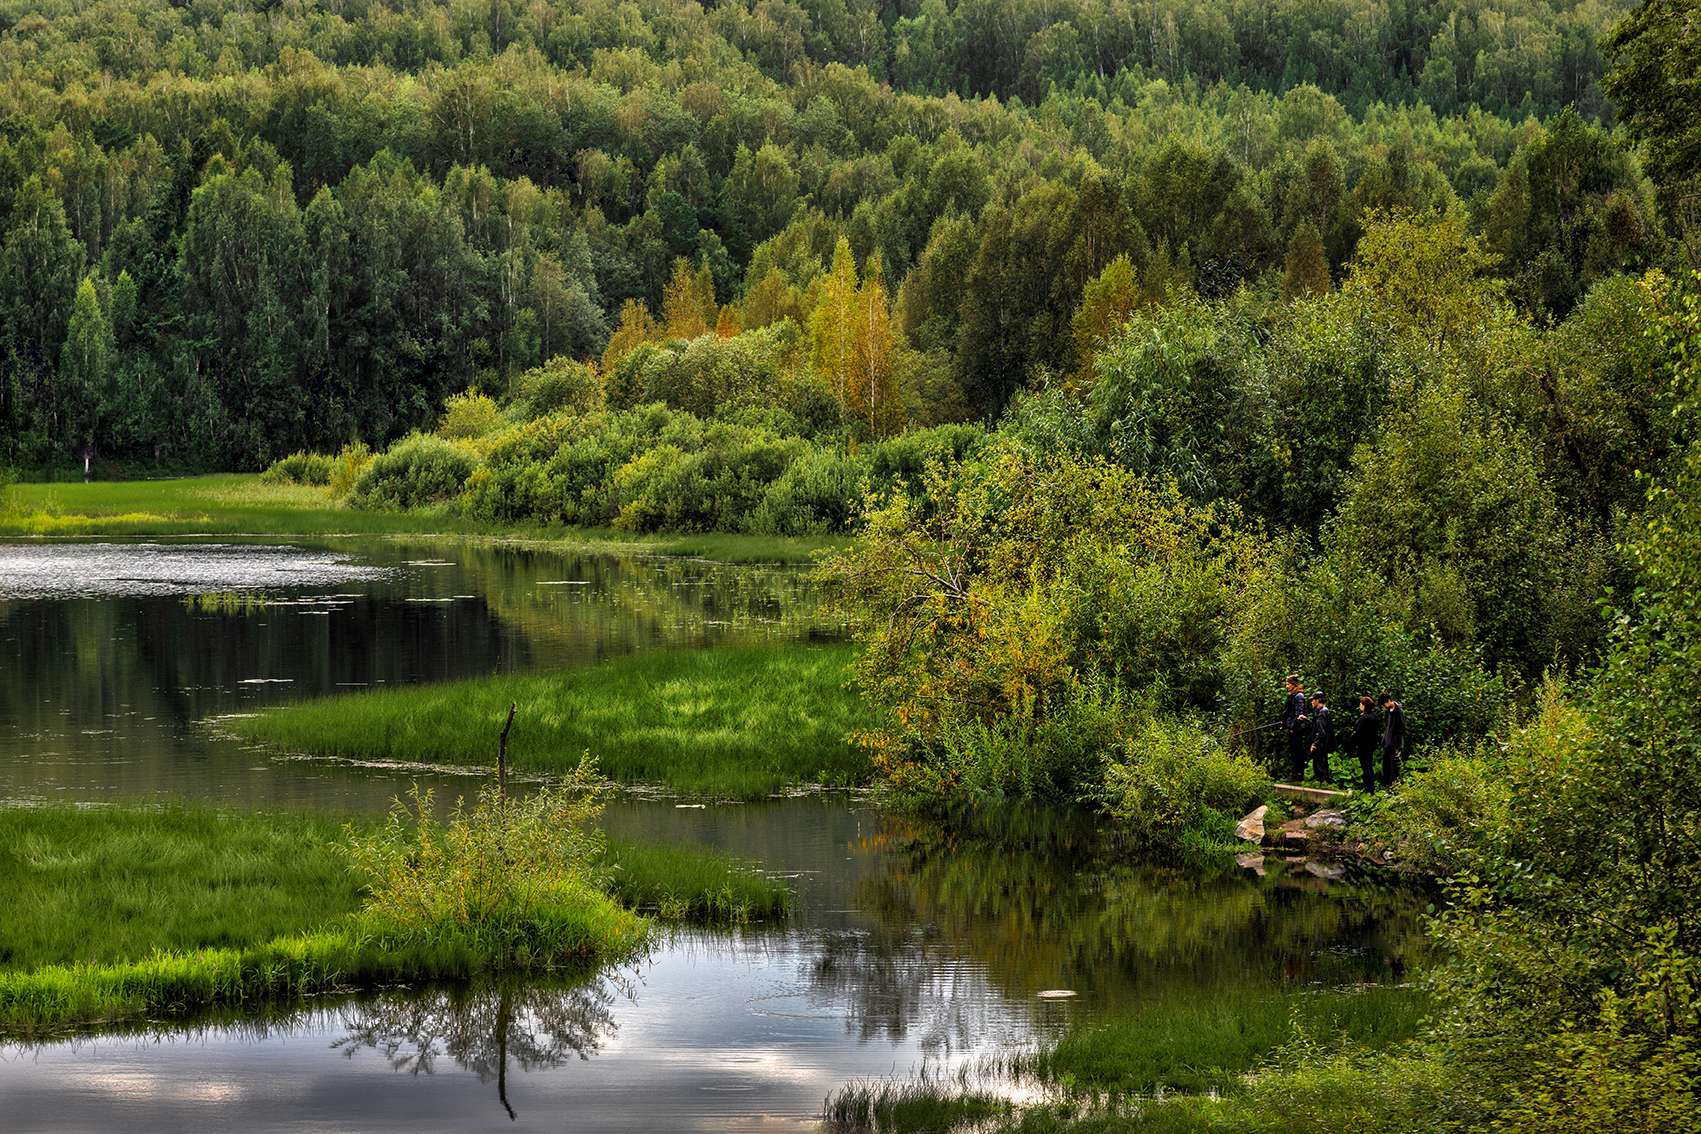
(689, 883)
(1207, 1043)
(737, 723)
(916, 1106)
(101, 885)
(124, 912)
(1317, 1062)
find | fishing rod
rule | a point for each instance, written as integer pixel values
(1246, 731)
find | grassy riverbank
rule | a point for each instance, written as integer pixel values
(239, 504)
(122, 911)
(1208, 1043)
(733, 723)
(1207, 1062)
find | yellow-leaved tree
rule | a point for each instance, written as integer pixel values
(688, 304)
(875, 348)
(1422, 272)
(637, 327)
(1106, 303)
(856, 350)
(833, 327)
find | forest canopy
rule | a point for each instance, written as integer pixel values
(232, 233)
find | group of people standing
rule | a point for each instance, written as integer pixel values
(1311, 733)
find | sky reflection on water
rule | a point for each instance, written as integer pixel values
(713, 1033)
(109, 570)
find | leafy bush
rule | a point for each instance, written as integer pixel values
(820, 492)
(560, 385)
(899, 461)
(663, 488)
(1618, 1075)
(1466, 807)
(514, 874)
(1171, 777)
(1010, 582)
(300, 468)
(466, 416)
(416, 471)
(713, 488)
(350, 463)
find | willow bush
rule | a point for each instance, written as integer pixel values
(514, 875)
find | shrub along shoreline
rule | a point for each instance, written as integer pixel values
(242, 504)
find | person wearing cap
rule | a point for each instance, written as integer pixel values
(1322, 738)
(1393, 737)
(1298, 725)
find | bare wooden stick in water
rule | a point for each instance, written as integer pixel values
(502, 755)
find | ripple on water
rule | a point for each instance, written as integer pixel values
(102, 570)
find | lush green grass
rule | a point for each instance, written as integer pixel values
(124, 911)
(235, 503)
(222, 505)
(348, 956)
(1320, 1062)
(1208, 1043)
(736, 723)
(675, 882)
(117, 883)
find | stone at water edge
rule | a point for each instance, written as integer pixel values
(1332, 819)
(1251, 828)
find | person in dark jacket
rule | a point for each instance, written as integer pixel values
(1298, 725)
(1393, 737)
(1322, 739)
(1366, 739)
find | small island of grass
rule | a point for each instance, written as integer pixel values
(128, 912)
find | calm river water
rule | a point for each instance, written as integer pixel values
(913, 948)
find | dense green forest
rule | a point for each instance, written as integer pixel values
(232, 233)
(1153, 351)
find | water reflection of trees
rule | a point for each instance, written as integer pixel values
(625, 602)
(483, 1027)
(1042, 898)
(893, 983)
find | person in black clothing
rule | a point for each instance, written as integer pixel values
(1393, 737)
(1366, 739)
(1298, 726)
(1322, 739)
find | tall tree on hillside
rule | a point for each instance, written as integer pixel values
(833, 327)
(874, 392)
(1656, 82)
(1106, 304)
(39, 272)
(85, 365)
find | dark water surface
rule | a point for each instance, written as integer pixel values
(912, 947)
(116, 660)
